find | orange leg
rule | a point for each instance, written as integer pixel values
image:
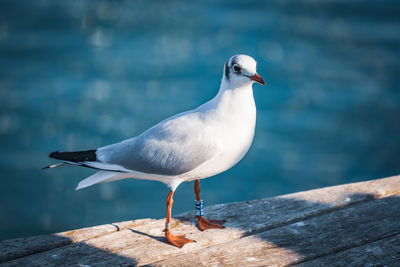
(202, 223)
(177, 241)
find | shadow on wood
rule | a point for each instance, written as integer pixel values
(158, 238)
(66, 254)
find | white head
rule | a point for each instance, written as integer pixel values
(240, 70)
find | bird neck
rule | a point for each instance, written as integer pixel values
(227, 85)
(233, 99)
(240, 91)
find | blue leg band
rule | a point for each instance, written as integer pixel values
(199, 207)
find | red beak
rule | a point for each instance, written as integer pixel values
(257, 78)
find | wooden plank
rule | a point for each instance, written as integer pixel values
(316, 237)
(20, 247)
(384, 252)
(140, 240)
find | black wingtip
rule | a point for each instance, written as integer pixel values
(75, 156)
(54, 154)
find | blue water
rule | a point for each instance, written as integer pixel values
(82, 74)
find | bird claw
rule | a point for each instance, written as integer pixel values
(205, 224)
(177, 240)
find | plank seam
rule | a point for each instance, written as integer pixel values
(310, 216)
(366, 242)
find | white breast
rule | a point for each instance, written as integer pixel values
(231, 124)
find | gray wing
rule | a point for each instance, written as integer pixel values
(172, 147)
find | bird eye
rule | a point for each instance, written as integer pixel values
(237, 68)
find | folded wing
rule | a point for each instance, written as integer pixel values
(170, 148)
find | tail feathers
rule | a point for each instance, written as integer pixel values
(54, 165)
(76, 156)
(101, 177)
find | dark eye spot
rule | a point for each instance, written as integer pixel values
(237, 68)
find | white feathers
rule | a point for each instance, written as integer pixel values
(101, 177)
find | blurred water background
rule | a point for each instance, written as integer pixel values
(81, 74)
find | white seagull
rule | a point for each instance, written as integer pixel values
(189, 146)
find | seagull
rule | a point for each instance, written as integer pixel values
(189, 146)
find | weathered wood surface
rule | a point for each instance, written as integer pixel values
(356, 224)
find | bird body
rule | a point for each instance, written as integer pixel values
(192, 145)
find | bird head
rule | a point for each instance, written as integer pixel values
(240, 70)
